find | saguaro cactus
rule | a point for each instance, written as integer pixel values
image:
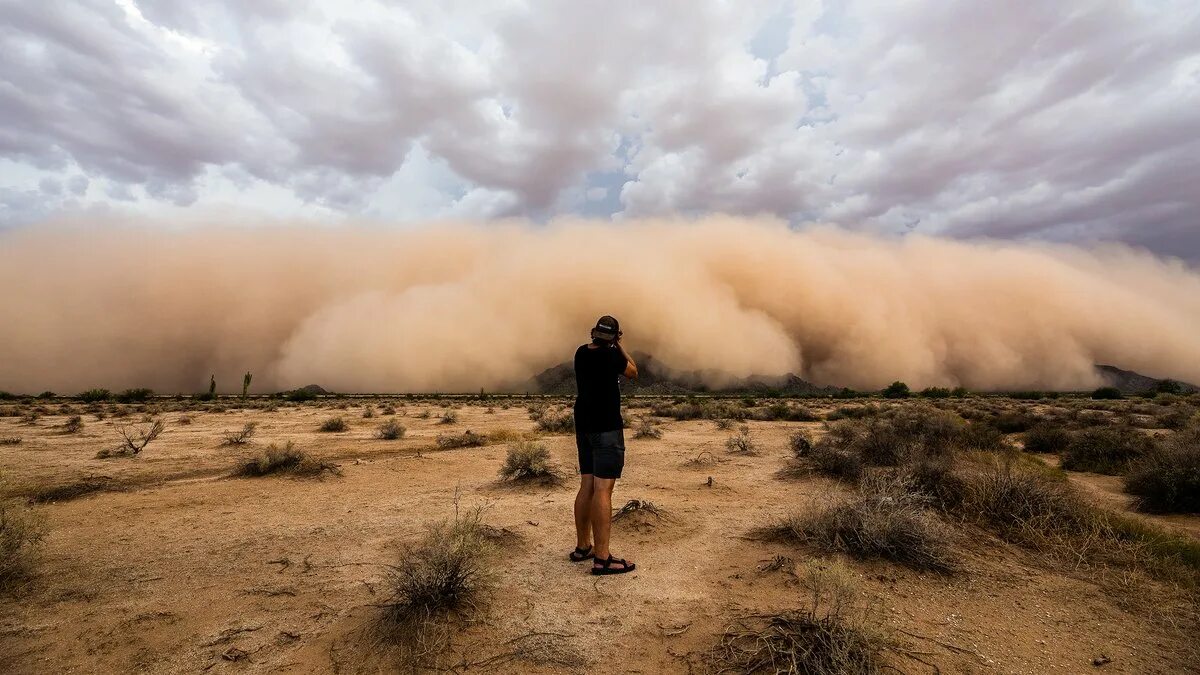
(246, 383)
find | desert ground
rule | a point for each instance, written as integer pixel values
(168, 562)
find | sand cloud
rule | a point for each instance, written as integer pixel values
(459, 306)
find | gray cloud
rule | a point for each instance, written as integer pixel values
(1064, 121)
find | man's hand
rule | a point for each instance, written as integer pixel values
(631, 370)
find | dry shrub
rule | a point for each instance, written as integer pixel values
(800, 443)
(240, 437)
(827, 460)
(134, 439)
(1109, 451)
(20, 533)
(183, 420)
(10, 440)
(647, 429)
(557, 423)
(741, 443)
(725, 423)
(388, 409)
(529, 462)
(448, 417)
(390, 430)
(982, 437)
(333, 424)
(887, 520)
(785, 412)
(436, 581)
(638, 511)
(467, 439)
(1046, 438)
(1167, 479)
(1014, 421)
(73, 425)
(828, 637)
(286, 460)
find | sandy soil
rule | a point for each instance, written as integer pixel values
(191, 570)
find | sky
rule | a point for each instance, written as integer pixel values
(1070, 121)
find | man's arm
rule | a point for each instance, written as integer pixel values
(631, 371)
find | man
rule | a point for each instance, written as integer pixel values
(600, 437)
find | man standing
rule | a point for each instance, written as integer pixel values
(600, 437)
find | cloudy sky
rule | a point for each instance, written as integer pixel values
(1074, 120)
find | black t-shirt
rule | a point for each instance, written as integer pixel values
(598, 406)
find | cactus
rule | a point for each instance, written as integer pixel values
(212, 386)
(246, 383)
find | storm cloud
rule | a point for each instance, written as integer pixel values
(1064, 121)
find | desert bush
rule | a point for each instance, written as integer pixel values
(527, 461)
(837, 463)
(134, 439)
(828, 637)
(1013, 421)
(423, 415)
(73, 425)
(441, 577)
(937, 480)
(241, 436)
(46, 395)
(1167, 478)
(563, 423)
(31, 417)
(467, 439)
(981, 436)
(935, 392)
(448, 417)
(800, 443)
(896, 389)
(134, 396)
(368, 412)
(647, 429)
(741, 443)
(286, 460)
(725, 423)
(390, 430)
(1176, 417)
(10, 440)
(1107, 393)
(782, 411)
(334, 424)
(299, 395)
(183, 419)
(7, 396)
(888, 520)
(1105, 450)
(21, 531)
(94, 395)
(1047, 438)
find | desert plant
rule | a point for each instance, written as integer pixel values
(1167, 479)
(935, 392)
(836, 463)
(134, 439)
(448, 417)
(368, 412)
(467, 439)
(783, 412)
(212, 387)
(557, 423)
(73, 425)
(896, 389)
(1046, 438)
(741, 443)
(333, 424)
(134, 396)
(246, 383)
(10, 440)
(888, 520)
(529, 461)
(286, 460)
(1107, 393)
(242, 436)
(67, 491)
(300, 395)
(800, 443)
(828, 637)
(441, 577)
(647, 429)
(388, 409)
(981, 436)
(423, 415)
(20, 533)
(184, 420)
(94, 395)
(1105, 450)
(390, 430)
(46, 395)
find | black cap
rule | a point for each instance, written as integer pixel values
(607, 328)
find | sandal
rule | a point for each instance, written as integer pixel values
(606, 566)
(581, 554)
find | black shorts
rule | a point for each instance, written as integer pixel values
(601, 454)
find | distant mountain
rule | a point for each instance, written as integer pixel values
(1130, 382)
(657, 379)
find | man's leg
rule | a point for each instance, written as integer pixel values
(602, 514)
(583, 512)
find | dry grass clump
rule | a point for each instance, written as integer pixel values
(73, 425)
(828, 637)
(741, 443)
(1167, 479)
(557, 423)
(887, 520)
(333, 424)
(647, 429)
(1109, 451)
(441, 578)
(10, 440)
(390, 430)
(467, 439)
(529, 462)
(1046, 438)
(388, 409)
(240, 437)
(286, 460)
(368, 412)
(638, 510)
(20, 533)
(134, 439)
(448, 417)
(785, 412)
(800, 443)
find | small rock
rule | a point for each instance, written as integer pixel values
(1101, 660)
